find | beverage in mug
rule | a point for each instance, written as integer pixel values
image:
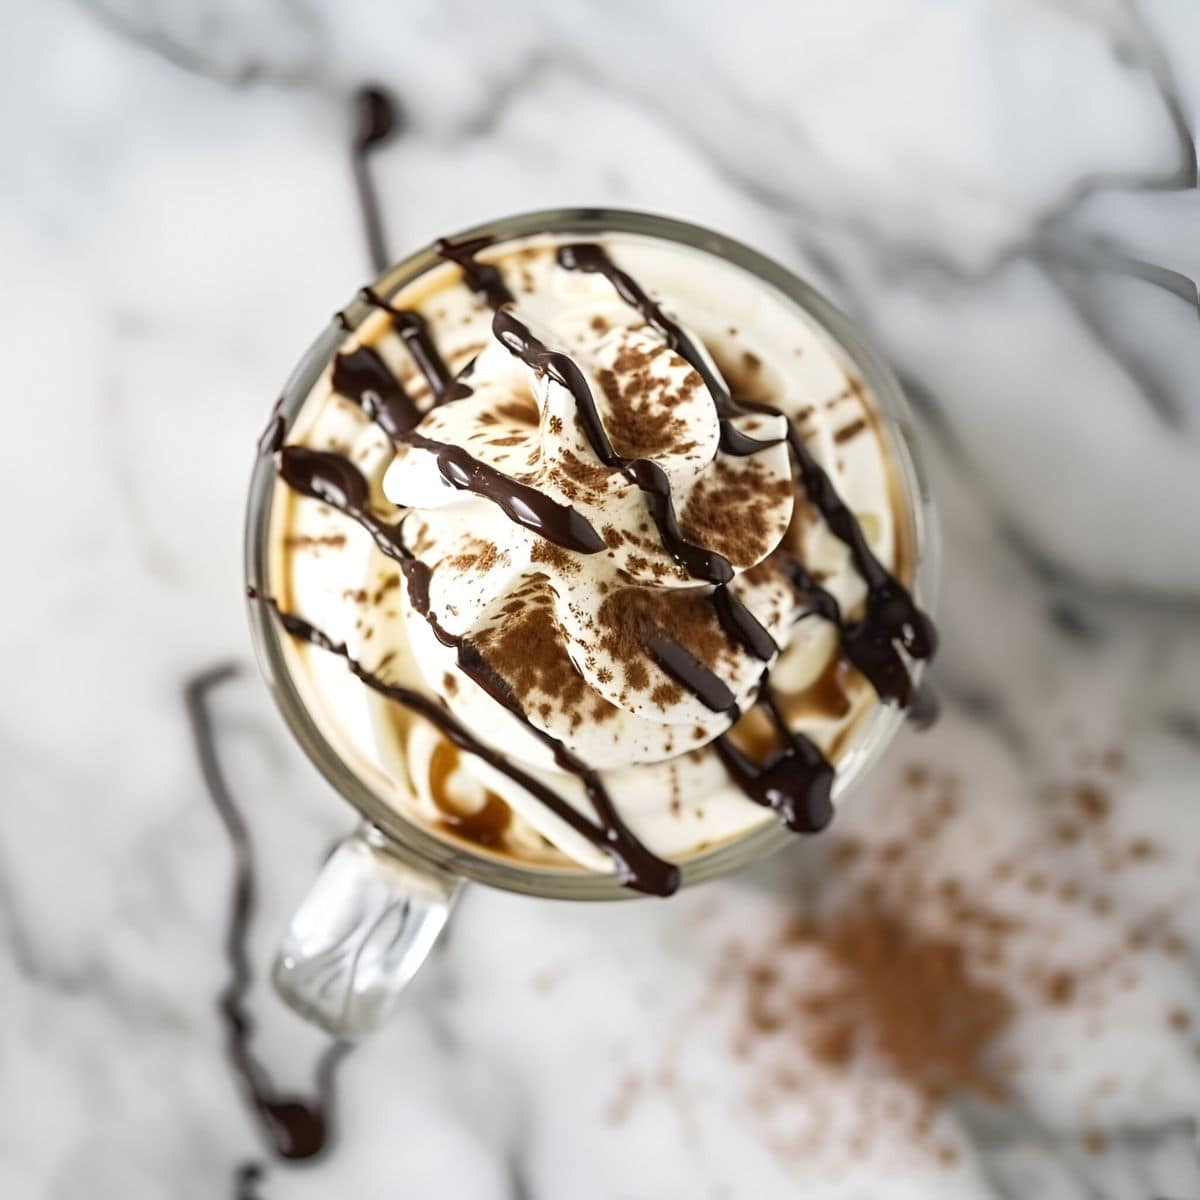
(587, 553)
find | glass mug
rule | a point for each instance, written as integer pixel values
(379, 903)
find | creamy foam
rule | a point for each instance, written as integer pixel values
(562, 619)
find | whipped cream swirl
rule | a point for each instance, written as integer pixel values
(525, 489)
(580, 607)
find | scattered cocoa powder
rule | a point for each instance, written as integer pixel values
(527, 652)
(1092, 802)
(642, 421)
(921, 973)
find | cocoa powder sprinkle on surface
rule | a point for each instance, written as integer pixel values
(907, 970)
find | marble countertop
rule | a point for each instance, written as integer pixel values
(1004, 195)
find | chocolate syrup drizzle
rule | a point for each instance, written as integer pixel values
(295, 1127)
(363, 377)
(412, 328)
(699, 561)
(795, 781)
(334, 480)
(891, 612)
(483, 279)
(521, 503)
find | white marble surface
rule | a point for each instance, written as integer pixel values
(1002, 192)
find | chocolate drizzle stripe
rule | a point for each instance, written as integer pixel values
(297, 1128)
(745, 628)
(635, 865)
(483, 279)
(700, 562)
(521, 503)
(683, 667)
(796, 783)
(890, 608)
(593, 259)
(414, 331)
(862, 645)
(365, 379)
(335, 481)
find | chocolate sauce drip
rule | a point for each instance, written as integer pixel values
(636, 866)
(742, 625)
(864, 645)
(414, 331)
(296, 1127)
(334, 480)
(483, 279)
(521, 342)
(737, 444)
(690, 673)
(891, 612)
(375, 122)
(363, 377)
(795, 782)
(525, 505)
(699, 562)
(593, 259)
(890, 608)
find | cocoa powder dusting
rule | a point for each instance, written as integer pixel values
(526, 650)
(630, 616)
(728, 511)
(908, 997)
(642, 422)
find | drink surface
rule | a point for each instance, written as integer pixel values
(622, 514)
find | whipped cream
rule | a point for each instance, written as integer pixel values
(562, 602)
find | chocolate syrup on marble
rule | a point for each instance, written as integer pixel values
(297, 1127)
(375, 121)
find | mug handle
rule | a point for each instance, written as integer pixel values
(361, 933)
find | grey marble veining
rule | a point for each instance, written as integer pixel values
(1003, 194)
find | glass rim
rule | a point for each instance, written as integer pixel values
(418, 844)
